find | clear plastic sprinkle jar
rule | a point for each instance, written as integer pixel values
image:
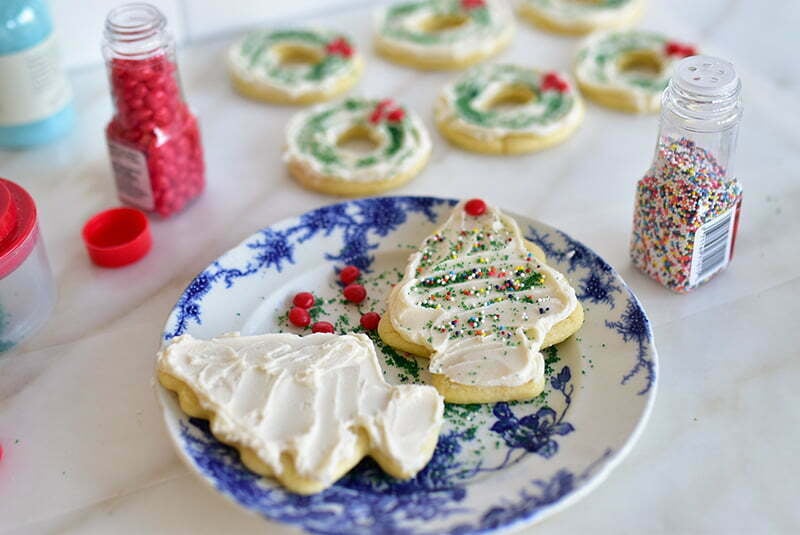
(153, 138)
(27, 289)
(688, 203)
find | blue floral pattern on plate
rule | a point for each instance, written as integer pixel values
(495, 465)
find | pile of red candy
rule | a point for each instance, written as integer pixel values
(299, 314)
(152, 118)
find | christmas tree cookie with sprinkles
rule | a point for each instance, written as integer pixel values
(293, 66)
(480, 302)
(443, 34)
(578, 17)
(508, 109)
(628, 70)
(321, 146)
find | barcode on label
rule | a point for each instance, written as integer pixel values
(712, 247)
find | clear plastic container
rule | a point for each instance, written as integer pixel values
(688, 204)
(27, 289)
(153, 139)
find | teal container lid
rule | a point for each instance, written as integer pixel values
(23, 24)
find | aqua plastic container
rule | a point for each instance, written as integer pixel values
(35, 96)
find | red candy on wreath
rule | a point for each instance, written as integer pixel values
(674, 48)
(551, 81)
(339, 47)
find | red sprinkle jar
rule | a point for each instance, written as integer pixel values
(153, 138)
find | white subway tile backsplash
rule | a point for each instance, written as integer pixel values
(210, 17)
(79, 24)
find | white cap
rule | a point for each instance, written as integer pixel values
(707, 75)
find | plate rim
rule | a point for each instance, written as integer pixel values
(165, 397)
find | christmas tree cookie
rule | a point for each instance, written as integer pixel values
(480, 302)
(304, 410)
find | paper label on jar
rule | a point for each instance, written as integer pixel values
(132, 176)
(32, 84)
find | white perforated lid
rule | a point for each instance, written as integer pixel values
(707, 75)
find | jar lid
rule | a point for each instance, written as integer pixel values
(17, 226)
(117, 237)
(707, 75)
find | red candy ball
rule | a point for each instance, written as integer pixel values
(355, 293)
(304, 300)
(396, 115)
(152, 118)
(322, 327)
(370, 320)
(299, 317)
(475, 207)
(349, 274)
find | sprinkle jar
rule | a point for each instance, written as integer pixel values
(27, 290)
(153, 138)
(688, 204)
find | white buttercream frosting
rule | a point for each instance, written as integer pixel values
(582, 13)
(313, 134)
(598, 64)
(473, 297)
(305, 399)
(404, 29)
(255, 59)
(538, 117)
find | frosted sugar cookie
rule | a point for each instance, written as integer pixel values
(443, 34)
(577, 17)
(304, 410)
(507, 109)
(628, 70)
(294, 66)
(480, 303)
(320, 157)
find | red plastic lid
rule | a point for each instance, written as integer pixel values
(117, 237)
(17, 226)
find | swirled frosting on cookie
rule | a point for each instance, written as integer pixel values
(480, 301)
(466, 102)
(484, 24)
(401, 141)
(306, 400)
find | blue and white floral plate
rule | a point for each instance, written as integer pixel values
(496, 465)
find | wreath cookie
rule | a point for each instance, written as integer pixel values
(443, 34)
(293, 66)
(628, 70)
(508, 109)
(318, 160)
(578, 17)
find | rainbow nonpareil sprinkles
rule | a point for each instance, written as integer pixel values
(685, 194)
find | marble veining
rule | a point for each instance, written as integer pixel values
(78, 420)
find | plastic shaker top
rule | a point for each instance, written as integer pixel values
(18, 226)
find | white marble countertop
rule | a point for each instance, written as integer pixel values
(86, 450)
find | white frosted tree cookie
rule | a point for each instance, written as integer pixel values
(578, 17)
(318, 155)
(304, 410)
(293, 66)
(508, 109)
(443, 34)
(628, 70)
(480, 304)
